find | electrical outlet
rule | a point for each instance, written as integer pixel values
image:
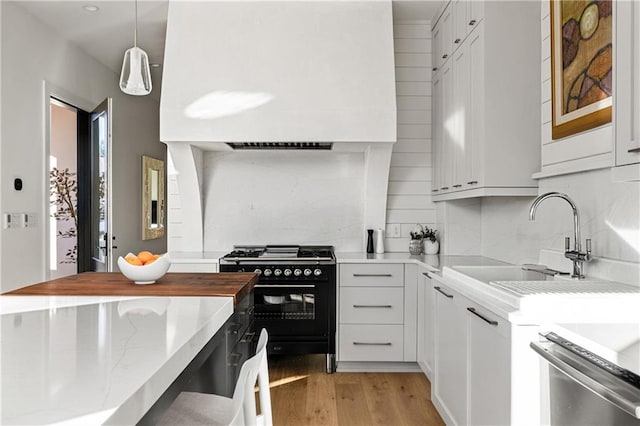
(30, 220)
(394, 230)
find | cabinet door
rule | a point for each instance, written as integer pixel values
(460, 10)
(429, 323)
(450, 354)
(421, 326)
(425, 324)
(627, 89)
(446, 154)
(460, 116)
(474, 140)
(436, 114)
(489, 368)
(475, 14)
(446, 28)
(436, 42)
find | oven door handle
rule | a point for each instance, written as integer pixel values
(596, 379)
(284, 286)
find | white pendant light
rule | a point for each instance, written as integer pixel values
(135, 78)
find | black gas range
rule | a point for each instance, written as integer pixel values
(295, 296)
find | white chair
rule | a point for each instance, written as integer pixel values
(192, 408)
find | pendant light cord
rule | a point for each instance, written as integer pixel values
(135, 27)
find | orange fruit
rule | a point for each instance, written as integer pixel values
(134, 260)
(145, 256)
(153, 259)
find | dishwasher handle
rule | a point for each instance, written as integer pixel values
(597, 379)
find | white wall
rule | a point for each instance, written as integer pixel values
(283, 197)
(31, 54)
(610, 211)
(409, 193)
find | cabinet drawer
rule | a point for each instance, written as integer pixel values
(371, 275)
(371, 343)
(193, 267)
(377, 305)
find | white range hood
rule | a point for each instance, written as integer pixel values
(245, 75)
(278, 71)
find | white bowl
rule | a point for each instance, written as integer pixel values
(145, 274)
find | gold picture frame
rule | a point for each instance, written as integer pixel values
(153, 205)
(581, 66)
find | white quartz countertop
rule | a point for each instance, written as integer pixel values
(434, 262)
(96, 360)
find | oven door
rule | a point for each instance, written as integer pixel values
(292, 309)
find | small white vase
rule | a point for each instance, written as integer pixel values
(431, 247)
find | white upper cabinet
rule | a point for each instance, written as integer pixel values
(486, 119)
(627, 89)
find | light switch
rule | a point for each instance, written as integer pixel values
(394, 230)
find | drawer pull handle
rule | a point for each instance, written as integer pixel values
(444, 187)
(435, 190)
(439, 289)
(456, 41)
(426, 274)
(445, 56)
(372, 343)
(636, 149)
(372, 275)
(482, 317)
(373, 306)
(472, 22)
(434, 69)
(457, 186)
(472, 182)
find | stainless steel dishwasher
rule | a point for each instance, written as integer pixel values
(584, 388)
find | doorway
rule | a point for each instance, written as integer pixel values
(79, 182)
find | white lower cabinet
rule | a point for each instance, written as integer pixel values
(377, 308)
(450, 377)
(472, 361)
(377, 342)
(488, 368)
(426, 319)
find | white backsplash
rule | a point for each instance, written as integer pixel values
(283, 197)
(610, 216)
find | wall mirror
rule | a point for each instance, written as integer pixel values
(153, 204)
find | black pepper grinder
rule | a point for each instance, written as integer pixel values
(370, 241)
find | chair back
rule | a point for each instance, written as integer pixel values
(254, 369)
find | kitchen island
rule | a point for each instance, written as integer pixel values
(98, 349)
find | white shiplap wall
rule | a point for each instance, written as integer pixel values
(409, 200)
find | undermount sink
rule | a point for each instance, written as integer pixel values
(487, 274)
(511, 284)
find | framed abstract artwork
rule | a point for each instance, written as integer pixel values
(581, 65)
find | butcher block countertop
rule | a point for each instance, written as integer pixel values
(229, 284)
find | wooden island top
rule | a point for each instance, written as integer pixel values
(223, 284)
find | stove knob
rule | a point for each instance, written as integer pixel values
(277, 272)
(287, 272)
(258, 271)
(317, 272)
(297, 272)
(267, 272)
(307, 272)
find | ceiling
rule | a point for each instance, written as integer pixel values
(108, 32)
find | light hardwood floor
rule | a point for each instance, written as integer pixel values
(303, 394)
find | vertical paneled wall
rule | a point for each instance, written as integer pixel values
(409, 199)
